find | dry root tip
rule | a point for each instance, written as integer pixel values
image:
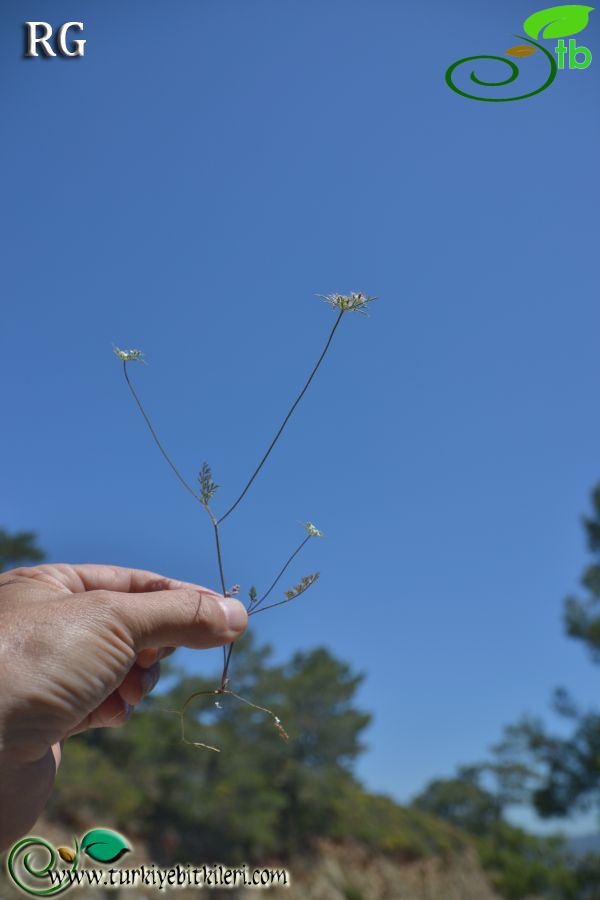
(282, 732)
(200, 746)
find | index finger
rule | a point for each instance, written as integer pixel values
(90, 577)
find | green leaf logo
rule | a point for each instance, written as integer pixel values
(557, 21)
(104, 845)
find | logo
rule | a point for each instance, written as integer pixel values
(100, 844)
(41, 870)
(555, 22)
(32, 39)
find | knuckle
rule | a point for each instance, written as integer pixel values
(107, 610)
(103, 600)
(200, 605)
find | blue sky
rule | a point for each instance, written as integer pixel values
(188, 187)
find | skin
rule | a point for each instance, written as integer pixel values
(79, 647)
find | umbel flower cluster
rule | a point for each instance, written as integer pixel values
(349, 302)
(129, 355)
(207, 489)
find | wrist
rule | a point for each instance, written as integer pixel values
(24, 791)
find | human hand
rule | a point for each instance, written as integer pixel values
(79, 648)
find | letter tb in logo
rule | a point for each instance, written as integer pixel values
(38, 40)
(554, 22)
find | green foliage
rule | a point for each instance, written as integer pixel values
(18, 548)
(89, 781)
(563, 773)
(582, 616)
(207, 486)
(587, 878)
(523, 865)
(353, 892)
(386, 827)
(556, 774)
(461, 801)
(519, 864)
(559, 775)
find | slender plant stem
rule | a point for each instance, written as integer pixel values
(215, 525)
(185, 484)
(226, 652)
(155, 436)
(254, 612)
(276, 581)
(219, 556)
(226, 660)
(227, 656)
(253, 606)
(286, 420)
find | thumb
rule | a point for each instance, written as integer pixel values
(181, 617)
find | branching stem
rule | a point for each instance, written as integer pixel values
(155, 437)
(254, 612)
(255, 605)
(286, 420)
(216, 522)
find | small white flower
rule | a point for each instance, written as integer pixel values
(128, 355)
(218, 705)
(355, 302)
(312, 530)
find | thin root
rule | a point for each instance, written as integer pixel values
(219, 692)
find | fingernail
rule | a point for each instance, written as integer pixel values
(128, 710)
(149, 680)
(235, 613)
